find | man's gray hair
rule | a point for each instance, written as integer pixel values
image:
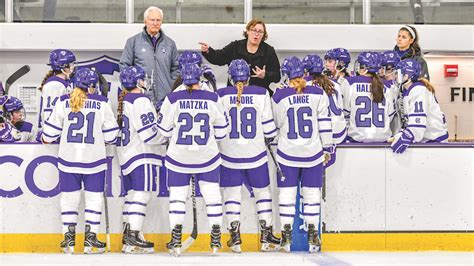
(150, 9)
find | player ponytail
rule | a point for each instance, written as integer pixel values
(324, 82)
(120, 107)
(240, 89)
(78, 97)
(177, 83)
(427, 84)
(48, 75)
(377, 88)
(299, 84)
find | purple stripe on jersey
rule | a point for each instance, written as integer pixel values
(311, 204)
(97, 97)
(131, 97)
(145, 127)
(340, 134)
(264, 211)
(110, 130)
(232, 202)
(263, 200)
(285, 92)
(127, 202)
(252, 89)
(346, 110)
(439, 139)
(226, 125)
(271, 132)
(92, 222)
(219, 138)
(268, 121)
(82, 165)
(169, 130)
(195, 95)
(420, 126)
(310, 213)
(177, 201)
(139, 157)
(151, 137)
(137, 203)
(410, 115)
(299, 159)
(214, 215)
(49, 136)
(64, 97)
(53, 126)
(325, 131)
(235, 213)
(177, 212)
(359, 79)
(92, 211)
(200, 165)
(69, 213)
(136, 213)
(286, 205)
(73, 224)
(392, 113)
(214, 205)
(244, 160)
(324, 119)
(48, 109)
(287, 215)
(64, 82)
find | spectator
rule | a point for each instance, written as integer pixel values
(408, 47)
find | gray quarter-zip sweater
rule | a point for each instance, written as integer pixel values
(162, 60)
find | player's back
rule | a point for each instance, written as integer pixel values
(53, 88)
(368, 121)
(250, 123)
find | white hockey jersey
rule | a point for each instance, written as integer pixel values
(204, 86)
(53, 88)
(423, 114)
(304, 126)
(338, 122)
(368, 121)
(194, 121)
(139, 142)
(250, 124)
(83, 134)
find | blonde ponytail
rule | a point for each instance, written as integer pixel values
(427, 84)
(78, 97)
(120, 107)
(240, 89)
(299, 84)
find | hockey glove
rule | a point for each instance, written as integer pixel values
(269, 141)
(6, 133)
(207, 73)
(402, 140)
(329, 154)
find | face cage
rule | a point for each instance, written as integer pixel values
(21, 118)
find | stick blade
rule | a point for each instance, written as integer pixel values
(16, 76)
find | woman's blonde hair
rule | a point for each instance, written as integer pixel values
(252, 24)
(77, 100)
(240, 89)
(299, 84)
(120, 107)
(427, 84)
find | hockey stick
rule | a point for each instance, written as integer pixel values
(103, 82)
(279, 171)
(15, 76)
(106, 211)
(194, 234)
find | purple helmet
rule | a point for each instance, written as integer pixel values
(292, 67)
(313, 64)
(390, 58)
(13, 104)
(191, 74)
(189, 57)
(85, 78)
(61, 58)
(369, 60)
(239, 70)
(130, 76)
(340, 54)
(410, 67)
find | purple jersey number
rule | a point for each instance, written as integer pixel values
(78, 124)
(369, 113)
(305, 126)
(125, 138)
(189, 121)
(248, 123)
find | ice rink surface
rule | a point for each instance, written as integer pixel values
(292, 259)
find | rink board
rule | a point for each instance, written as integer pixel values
(375, 200)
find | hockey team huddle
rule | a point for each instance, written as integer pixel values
(219, 138)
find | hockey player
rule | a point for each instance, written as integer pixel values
(195, 121)
(388, 64)
(138, 153)
(301, 113)
(387, 72)
(15, 114)
(207, 80)
(336, 64)
(84, 122)
(425, 120)
(244, 154)
(56, 82)
(368, 104)
(314, 66)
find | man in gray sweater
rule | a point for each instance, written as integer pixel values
(155, 52)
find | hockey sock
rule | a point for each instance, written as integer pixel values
(93, 209)
(232, 200)
(263, 201)
(137, 209)
(311, 204)
(69, 208)
(287, 199)
(178, 205)
(212, 196)
(126, 206)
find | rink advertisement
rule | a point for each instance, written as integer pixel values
(375, 200)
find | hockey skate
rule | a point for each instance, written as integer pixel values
(135, 243)
(286, 238)
(69, 240)
(126, 228)
(91, 244)
(269, 241)
(234, 241)
(174, 246)
(216, 238)
(314, 240)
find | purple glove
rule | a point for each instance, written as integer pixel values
(402, 141)
(6, 132)
(331, 151)
(38, 136)
(207, 73)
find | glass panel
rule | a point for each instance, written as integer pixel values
(427, 11)
(308, 12)
(195, 11)
(70, 11)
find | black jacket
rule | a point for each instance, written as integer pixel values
(265, 55)
(417, 56)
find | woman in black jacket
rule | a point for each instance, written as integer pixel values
(408, 47)
(254, 50)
